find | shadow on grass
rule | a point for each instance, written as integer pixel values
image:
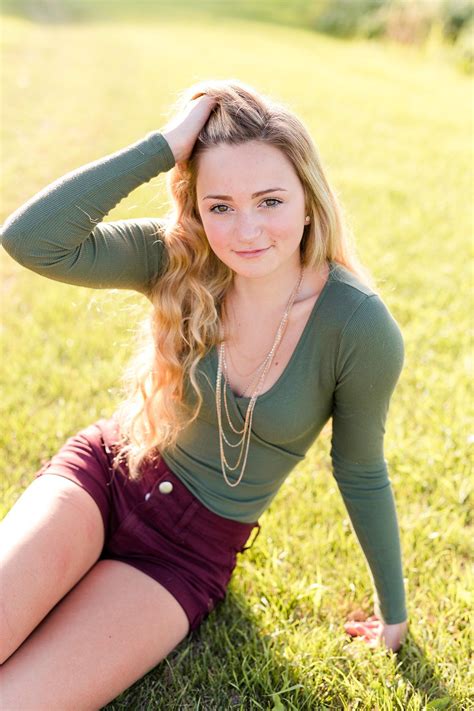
(416, 669)
(229, 663)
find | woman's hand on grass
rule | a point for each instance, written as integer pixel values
(374, 632)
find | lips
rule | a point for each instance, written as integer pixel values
(254, 251)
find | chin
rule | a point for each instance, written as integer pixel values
(255, 274)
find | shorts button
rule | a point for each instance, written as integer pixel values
(165, 487)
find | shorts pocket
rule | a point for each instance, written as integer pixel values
(185, 518)
(123, 541)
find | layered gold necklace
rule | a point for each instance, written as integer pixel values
(263, 368)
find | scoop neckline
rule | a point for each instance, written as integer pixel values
(277, 384)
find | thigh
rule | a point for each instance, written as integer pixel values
(48, 540)
(114, 626)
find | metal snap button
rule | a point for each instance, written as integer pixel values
(165, 487)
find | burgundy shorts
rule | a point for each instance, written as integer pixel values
(155, 524)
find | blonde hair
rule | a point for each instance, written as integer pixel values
(188, 295)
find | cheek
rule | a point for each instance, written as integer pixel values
(284, 233)
(281, 223)
(216, 235)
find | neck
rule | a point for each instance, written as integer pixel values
(269, 292)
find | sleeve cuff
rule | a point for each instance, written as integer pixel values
(155, 143)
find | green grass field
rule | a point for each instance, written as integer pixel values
(394, 131)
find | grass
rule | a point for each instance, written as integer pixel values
(393, 131)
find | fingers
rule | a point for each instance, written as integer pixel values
(369, 631)
(374, 632)
(181, 132)
(357, 626)
(204, 97)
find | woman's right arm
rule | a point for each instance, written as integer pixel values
(59, 232)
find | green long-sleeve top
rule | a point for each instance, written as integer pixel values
(345, 365)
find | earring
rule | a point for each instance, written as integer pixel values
(307, 218)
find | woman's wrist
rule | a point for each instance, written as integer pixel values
(173, 144)
(394, 619)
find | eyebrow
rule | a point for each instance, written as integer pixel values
(254, 195)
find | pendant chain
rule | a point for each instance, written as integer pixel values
(222, 370)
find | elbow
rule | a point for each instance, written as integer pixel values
(11, 240)
(22, 242)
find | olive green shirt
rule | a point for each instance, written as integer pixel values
(345, 365)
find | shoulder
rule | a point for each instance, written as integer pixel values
(153, 230)
(355, 305)
(342, 296)
(372, 328)
(153, 227)
(347, 281)
(346, 292)
(366, 328)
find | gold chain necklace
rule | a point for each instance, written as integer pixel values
(247, 429)
(247, 375)
(258, 368)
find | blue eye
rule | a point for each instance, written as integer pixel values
(223, 212)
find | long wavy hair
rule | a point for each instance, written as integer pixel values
(187, 298)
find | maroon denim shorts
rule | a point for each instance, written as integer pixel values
(155, 524)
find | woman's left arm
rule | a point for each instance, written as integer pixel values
(369, 362)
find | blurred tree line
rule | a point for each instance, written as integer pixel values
(407, 21)
(412, 22)
(448, 23)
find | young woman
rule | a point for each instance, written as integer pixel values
(264, 326)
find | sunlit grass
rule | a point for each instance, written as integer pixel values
(394, 133)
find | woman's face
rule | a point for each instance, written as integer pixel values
(236, 219)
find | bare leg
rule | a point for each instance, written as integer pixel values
(48, 540)
(112, 628)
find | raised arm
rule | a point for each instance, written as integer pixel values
(59, 232)
(370, 360)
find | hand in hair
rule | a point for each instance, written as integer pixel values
(182, 131)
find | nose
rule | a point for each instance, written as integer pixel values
(248, 229)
